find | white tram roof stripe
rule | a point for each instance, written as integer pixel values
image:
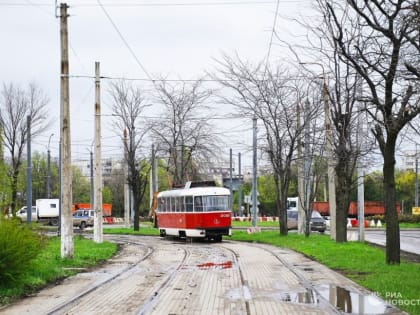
(195, 191)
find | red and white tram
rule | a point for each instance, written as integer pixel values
(199, 212)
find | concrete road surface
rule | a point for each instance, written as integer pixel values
(159, 276)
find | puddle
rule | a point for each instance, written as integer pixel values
(351, 302)
(345, 301)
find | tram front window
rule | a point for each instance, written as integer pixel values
(215, 203)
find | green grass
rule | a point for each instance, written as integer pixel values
(49, 267)
(144, 230)
(246, 224)
(360, 262)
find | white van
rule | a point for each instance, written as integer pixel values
(21, 214)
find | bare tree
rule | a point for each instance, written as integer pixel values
(268, 95)
(128, 104)
(385, 56)
(343, 88)
(183, 132)
(16, 105)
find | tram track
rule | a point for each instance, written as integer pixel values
(74, 300)
(152, 275)
(303, 281)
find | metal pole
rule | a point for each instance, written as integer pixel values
(67, 246)
(230, 179)
(49, 169)
(92, 187)
(97, 200)
(29, 175)
(240, 186)
(126, 188)
(416, 185)
(254, 173)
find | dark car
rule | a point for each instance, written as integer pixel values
(317, 222)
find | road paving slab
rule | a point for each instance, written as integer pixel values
(204, 278)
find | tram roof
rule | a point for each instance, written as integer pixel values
(195, 191)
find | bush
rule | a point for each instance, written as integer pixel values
(18, 248)
(408, 218)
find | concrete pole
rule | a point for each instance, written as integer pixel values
(307, 171)
(301, 184)
(360, 173)
(126, 188)
(97, 200)
(67, 246)
(49, 168)
(416, 184)
(330, 162)
(240, 186)
(92, 186)
(230, 180)
(254, 173)
(29, 174)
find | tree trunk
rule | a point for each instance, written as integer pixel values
(343, 187)
(281, 208)
(391, 215)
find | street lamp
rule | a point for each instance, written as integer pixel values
(329, 152)
(49, 168)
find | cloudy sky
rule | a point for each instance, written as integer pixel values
(179, 39)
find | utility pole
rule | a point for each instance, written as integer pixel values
(360, 173)
(29, 175)
(307, 171)
(416, 184)
(67, 246)
(126, 188)
(330, 162)
(301, 183)
(239, 186)
(230, 180)
(49, 168)
(92, 187)
(254, 172)
(97, 200)
(329, 154)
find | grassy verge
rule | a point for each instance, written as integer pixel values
(358, 261)
(49, 267)
(246, 224)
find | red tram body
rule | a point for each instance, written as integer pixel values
(197, 212)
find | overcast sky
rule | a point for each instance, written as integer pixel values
(179, 39)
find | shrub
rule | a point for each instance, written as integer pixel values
(18, 248)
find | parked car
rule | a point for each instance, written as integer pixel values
(21, 214)
(83, 218)
(317, 222)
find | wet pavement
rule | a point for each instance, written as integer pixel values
(161, 276)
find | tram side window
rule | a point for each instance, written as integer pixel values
(181, 207)
(216, 203)
(168, 204)
(198, 204)
(189, 203)
(174, 204)
(161, 203)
